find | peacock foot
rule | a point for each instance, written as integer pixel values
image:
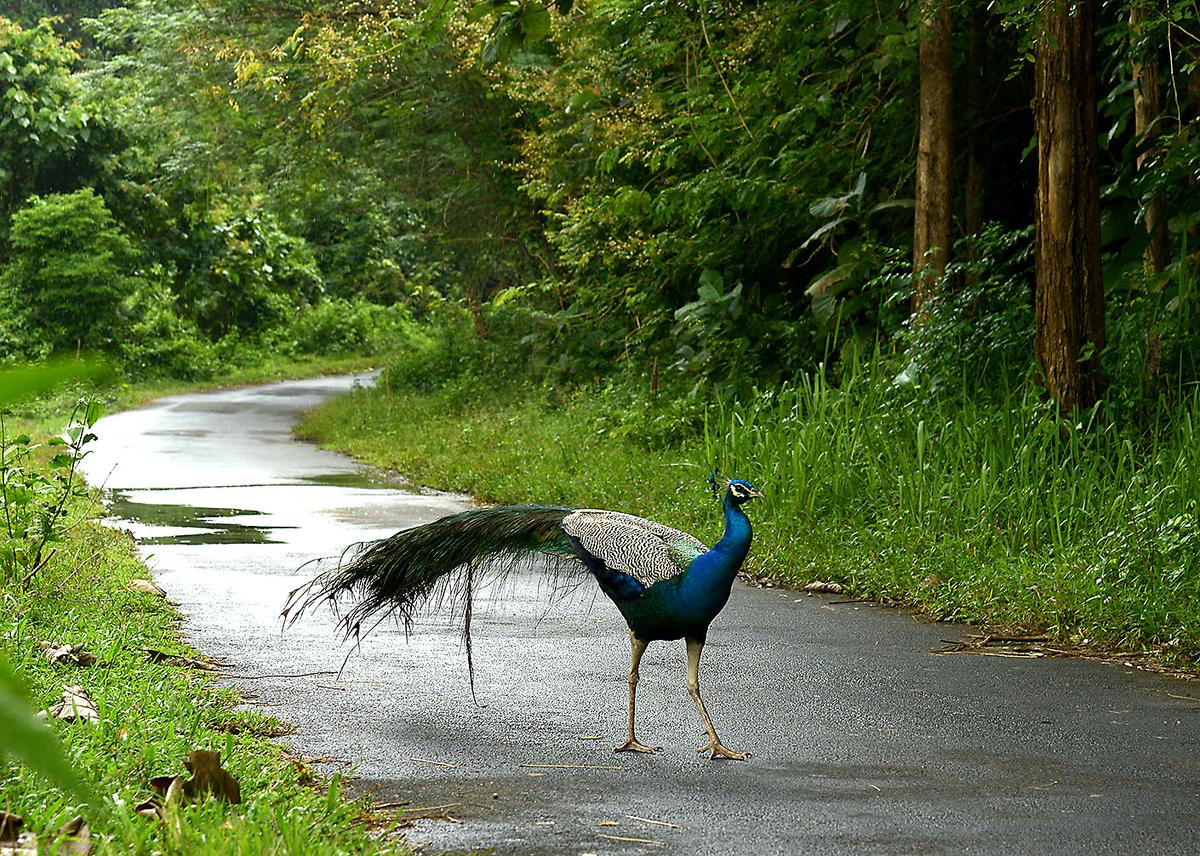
(719, 751)
(633, 746)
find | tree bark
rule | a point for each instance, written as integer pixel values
(1147, 107)
(1069, 299)
(935, 153)
(976, 64)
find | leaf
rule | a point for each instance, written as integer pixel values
(74, 838)
(208, 777)
(10, 826)
(824, 230)
(146, 587)
(92, 413)
(29, 741)
(535, 24)
(893, 203)
(156, 656)
(76, 705)
(712, 285)
(67, 655)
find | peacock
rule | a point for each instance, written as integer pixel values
(666, 583)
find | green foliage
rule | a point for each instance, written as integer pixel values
(69, 269)
(27, 740)
(159, 343)
(42, 116)
(339, 326)
(152, 715)
(35, 497)
(249, 275)
(977, 510)
(978, 328)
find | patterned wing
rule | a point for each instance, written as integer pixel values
(645, 550)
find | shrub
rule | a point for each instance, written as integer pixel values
(340, 326)
(160, 343)
(69, 269)
(249, 274)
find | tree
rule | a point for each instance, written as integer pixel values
(41, 117)
(68, 268)
(1069, 294)
(935, 154)
(1147, 107)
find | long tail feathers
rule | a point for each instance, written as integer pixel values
(432, 565)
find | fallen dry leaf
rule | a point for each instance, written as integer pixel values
(151, 808)
(12, 839)
(67, 655)
(10, 826)
(75, 706)
(74, 838)
(209, 778)
(146, 587)
(162, 784)
(822, 586)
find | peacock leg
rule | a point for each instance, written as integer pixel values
(632, 744)
(694, 647)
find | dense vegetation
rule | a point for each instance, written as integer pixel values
(927, 271)
(908, 276)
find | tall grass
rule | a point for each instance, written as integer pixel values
(983, 509)
(979, 510)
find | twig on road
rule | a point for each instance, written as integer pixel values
(572, 766)
(655, 822)
(631, 840)
(260, 677)
(444, 764)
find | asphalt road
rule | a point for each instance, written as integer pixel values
(863, 740)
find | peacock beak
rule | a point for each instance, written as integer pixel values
(755, 493)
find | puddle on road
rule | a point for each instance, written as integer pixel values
(366, 479)
(214, 524)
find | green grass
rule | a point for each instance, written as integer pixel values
(992, 513)
(45, 414)
(152, 715)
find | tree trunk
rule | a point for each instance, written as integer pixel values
(1070, 291)
(1147, 106)
(935, 153)
(976, 64)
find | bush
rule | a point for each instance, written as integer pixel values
(69, 269)
(249, 274)
(160, 343)
(340, 326)
(980, 325)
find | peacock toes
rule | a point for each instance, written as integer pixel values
(714, 745)
(632, 744)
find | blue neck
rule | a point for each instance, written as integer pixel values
(712, 574)
(735, 543)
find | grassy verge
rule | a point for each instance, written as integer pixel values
(152, 714)
(995, 514)
(44, 415)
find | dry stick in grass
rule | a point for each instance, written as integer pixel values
(442, 807)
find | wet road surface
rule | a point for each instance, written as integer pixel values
(863, 741)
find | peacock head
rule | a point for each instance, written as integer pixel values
(740, 491)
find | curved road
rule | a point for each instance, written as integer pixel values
(863, 741)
